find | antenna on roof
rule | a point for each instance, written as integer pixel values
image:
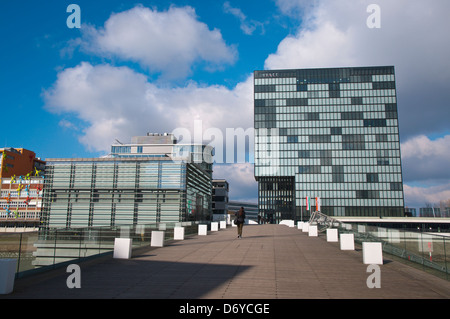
(118, 141)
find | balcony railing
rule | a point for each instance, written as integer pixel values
(54, 247)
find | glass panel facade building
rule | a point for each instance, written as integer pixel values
(327, 133)
(126, 190)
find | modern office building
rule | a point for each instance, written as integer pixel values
(153, 179)
(220, 199)
(330, 134)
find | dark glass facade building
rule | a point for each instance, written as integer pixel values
(327, 133)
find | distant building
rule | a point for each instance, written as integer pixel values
(430, 212)
(19, 162)
(21, 190)
(151, 180)
(410, 212)
(220, 199)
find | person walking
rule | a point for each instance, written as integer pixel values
(240, 218)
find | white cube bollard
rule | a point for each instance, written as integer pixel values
(214, 226)
(372, 253)
(332, 235)
(162, 227)
(305, 227)
(122, 248)
(223, 224)
(7, 275)
(178, 233)
(157, 238)
(312, 231)
(394, 236)
(347, 242)
(300, 225)
(202, 230)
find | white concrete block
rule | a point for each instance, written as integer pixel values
(382, 233)
(347, 242)
(162, 226)
(372, 253)
(7, 275)
(178, 233)
(214, 226)
(157, 238)
(394, 236)
(332, 235)
(305, 228)
(312, 231)
(122, 248)
(288, 222)
(202, 230)
(300, 225)
(425, 242)
(223, 224)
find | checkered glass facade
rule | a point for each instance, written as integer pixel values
(327, 133)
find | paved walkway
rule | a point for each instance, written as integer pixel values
(269, 262)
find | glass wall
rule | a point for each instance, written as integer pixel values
(108, 193)
(336, 132)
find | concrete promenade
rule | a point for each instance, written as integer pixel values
(269, 262)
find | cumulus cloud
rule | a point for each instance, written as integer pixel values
(426, 160)
(335, 33)
(169, 42)
(243, 186)
(117, 102)
(420, 196)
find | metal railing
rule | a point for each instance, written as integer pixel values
(54, 247)
(428, 251)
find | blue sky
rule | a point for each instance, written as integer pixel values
(154, 66)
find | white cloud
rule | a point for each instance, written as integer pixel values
(422, 148)
(411, 37)
(170, 42)
(243, 186)
(420, 196)
(426, 170)
(426, 160)
(117, 102)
